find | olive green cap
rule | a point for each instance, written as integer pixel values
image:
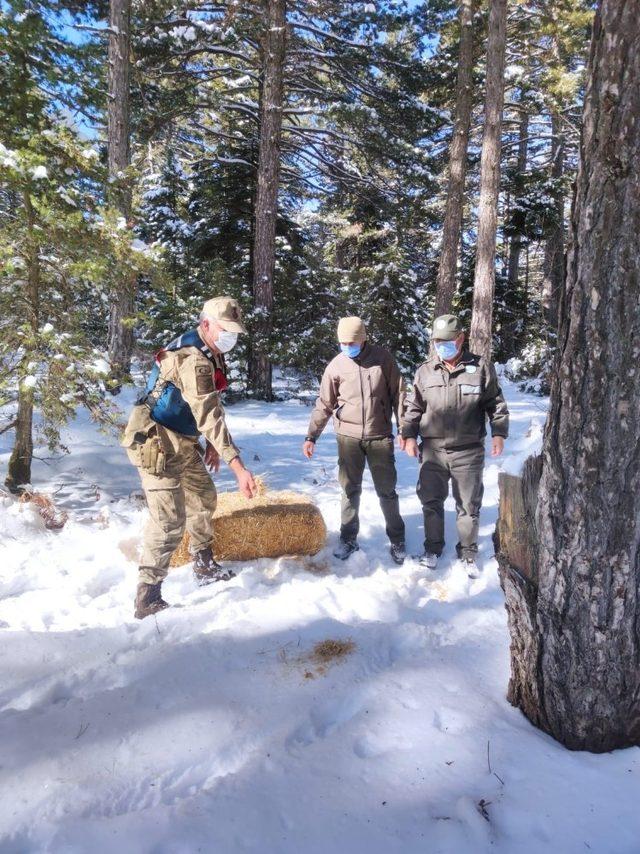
(447, 327)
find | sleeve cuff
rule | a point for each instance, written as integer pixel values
(408, 433)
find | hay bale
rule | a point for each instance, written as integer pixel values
(272, 524)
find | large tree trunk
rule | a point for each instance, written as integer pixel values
(447, 270)
(485, 272)
(575, 621)
(553, 275)
(266, 213)
(122, 298)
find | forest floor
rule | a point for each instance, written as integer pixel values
(214, 727)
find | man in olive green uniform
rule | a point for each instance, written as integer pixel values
(361, 388)
(454, 392)
(181, 403)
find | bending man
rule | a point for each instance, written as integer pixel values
(181, 403)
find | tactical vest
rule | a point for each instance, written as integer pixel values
(164, 399)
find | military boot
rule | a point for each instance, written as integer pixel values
(207, 570)
(148, 600)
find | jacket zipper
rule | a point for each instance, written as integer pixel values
(361, 397)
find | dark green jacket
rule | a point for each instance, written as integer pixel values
(454, 405)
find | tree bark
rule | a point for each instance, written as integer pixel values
(266, 212)
(513, 266)
(121, 309)
(447, 269)
(553, 266)
(576, 633)
(516, 328)
(19, 467)
(485, 272)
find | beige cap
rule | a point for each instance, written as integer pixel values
(351, 329)
(447, 327)
(226, 311)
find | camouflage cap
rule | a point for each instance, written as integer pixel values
(226, 311)
(446, 327)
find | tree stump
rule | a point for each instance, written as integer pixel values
(515, 540)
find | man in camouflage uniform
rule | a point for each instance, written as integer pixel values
(181, 403)
(362, 389)
(454, 392)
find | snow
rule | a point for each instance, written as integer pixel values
(212, 728)
(101, 366)
(39, 172)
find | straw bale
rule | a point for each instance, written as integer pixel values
(272, 524)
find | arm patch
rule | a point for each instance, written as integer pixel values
(204, 380)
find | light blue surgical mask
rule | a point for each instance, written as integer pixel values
(226, 340)
(351, 350)
(446, 349)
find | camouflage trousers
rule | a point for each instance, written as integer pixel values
(183, 496)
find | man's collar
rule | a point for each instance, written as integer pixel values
(465, 358)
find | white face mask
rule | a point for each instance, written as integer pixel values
(226, 340)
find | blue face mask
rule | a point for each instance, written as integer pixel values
(446, 349)
(351, 350)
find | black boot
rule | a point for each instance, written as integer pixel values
(345, 549)
(398, 553)
(207, 570)
(148, 600)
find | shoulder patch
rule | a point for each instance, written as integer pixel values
(204, 379)
(471, 369)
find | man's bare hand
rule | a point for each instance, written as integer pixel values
(211, 458)
(246, 484)
(401, 442)
(497, 446)
(411, 448)
(308, 448)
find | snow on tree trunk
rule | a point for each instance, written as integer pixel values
(574, 616)
(120, 336)
(553, 277)
(266, 210)
(446, 282)
(485, 272)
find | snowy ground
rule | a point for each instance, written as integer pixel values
(210, 729)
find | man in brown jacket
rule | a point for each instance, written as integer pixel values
(361, 388)
(181, 403)
(454, 392)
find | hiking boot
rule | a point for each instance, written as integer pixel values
(148, 600)
(398, 553)
(207, 570)
(428, 559)
(345, 549)
(470, 567)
